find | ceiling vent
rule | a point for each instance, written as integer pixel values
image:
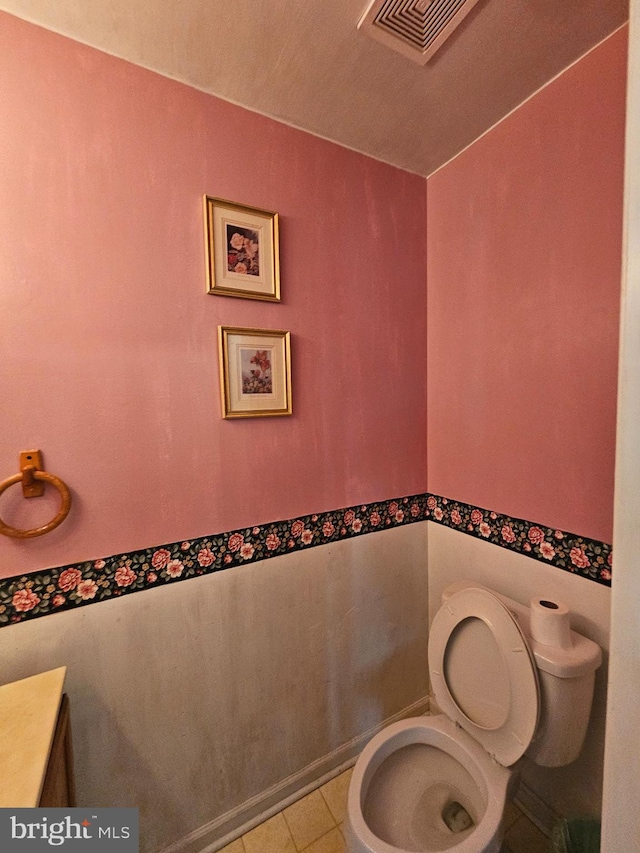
(415, 28)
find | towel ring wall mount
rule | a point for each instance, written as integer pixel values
(33, 480)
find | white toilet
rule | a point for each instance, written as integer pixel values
(438, 783)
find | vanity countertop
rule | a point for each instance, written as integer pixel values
(28, 714)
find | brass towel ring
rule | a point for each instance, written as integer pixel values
(26, 477)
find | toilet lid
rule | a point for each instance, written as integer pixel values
(483, 674)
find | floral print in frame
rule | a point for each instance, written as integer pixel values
(242, 250)
(255, 372)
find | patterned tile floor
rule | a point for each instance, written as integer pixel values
(314, 825)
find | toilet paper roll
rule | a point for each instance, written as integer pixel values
(550, 623)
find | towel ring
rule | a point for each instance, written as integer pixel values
(28, 474)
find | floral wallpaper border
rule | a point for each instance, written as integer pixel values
(66, 587)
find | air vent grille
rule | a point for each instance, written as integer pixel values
(415, 28)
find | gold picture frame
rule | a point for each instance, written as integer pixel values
(255, 372)
(242, 250)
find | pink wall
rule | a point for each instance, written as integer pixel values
(524, 254)
(108, 340)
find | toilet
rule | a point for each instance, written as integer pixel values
(511, 681)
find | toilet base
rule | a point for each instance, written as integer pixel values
(354, 845)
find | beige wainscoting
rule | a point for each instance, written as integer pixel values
(194, 699)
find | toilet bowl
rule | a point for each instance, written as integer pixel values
(405, 778)
(440, 783)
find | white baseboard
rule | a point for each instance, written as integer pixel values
(234, 823)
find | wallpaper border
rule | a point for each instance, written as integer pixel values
(55, 590)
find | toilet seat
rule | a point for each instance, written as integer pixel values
(483, 674)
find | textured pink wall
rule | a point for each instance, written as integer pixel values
(524, 253)
(108, 340)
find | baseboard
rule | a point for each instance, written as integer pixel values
(538, 812)
(223, 830)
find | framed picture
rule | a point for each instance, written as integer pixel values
(255, 372)
(242, 250)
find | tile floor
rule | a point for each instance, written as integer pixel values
(521, 835)
(314, 825)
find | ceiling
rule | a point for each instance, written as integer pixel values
(305, 63)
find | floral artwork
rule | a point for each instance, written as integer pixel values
(67, 587)
(256, 372)
(242, 250)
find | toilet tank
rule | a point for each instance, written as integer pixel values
(565, 707)
(566, 676)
